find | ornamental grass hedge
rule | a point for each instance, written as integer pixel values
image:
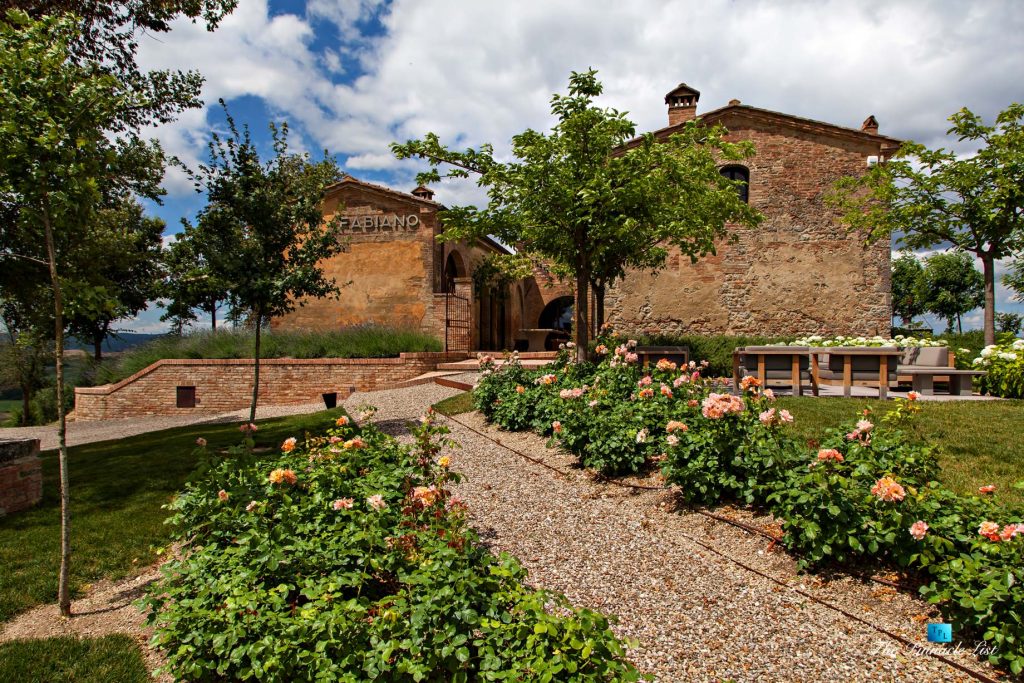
(866, 493)
(346, 557)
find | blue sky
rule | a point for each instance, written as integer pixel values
(351, 76)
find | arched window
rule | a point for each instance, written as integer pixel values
(736, 172)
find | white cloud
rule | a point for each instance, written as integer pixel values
(480, 72)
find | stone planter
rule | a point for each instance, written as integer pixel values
(21, 475)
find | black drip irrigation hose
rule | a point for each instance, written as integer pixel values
(754, 530)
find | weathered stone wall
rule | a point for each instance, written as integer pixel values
(799, 272)
(21, 475)
(226, 385)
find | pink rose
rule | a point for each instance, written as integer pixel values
(343, 504)
(918, 530)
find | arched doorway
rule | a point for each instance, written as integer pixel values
(557, 315)
(453, 268)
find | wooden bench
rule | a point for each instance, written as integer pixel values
(923, 378)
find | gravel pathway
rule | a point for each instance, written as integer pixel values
(698, 615)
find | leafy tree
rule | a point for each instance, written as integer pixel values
(264, 228)
(191, 282)
(108, 39)
(939, 198)
(952, 286)
(124, 260)
(28, 349)
(584, 200)
(1009, 322)
(69, 148)
(907, 281)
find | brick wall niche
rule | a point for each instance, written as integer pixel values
(184, 387)
(21, 475)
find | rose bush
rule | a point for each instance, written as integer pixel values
(869, 491)
(347, 558)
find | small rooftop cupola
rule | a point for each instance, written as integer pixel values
(682, 104)
(423, 193)
(870, 125)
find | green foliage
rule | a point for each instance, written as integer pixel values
(349, 559)
(1009, 323)
(1004, 366)
(974, 202)
(951, 286)
(907, 299)
(1014, 278)
(355, 342)
(83, 660)
(587, 202)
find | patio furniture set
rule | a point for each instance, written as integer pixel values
(881, 366)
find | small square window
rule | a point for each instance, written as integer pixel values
(186, 397)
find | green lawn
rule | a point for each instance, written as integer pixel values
(89, 660)
(455, 405)
(117, 490)
(979, 440)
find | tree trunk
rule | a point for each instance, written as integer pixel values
(26, 403)
(582, 327)
(255, 370)
(97, 347)
(988, 268)
(599, 307)
(63, 587)
(213, 317)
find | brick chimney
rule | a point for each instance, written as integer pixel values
(682, 104)
(423, 193)
(870, 125)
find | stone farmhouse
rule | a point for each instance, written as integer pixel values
(799, 272)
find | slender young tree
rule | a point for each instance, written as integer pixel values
(935, 198)
(587, 202)
(72, 101)
(264, 227)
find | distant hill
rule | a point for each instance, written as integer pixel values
(123, 341)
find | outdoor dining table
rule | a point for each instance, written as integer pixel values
(795, 354)
(536, 338)
(887, 358)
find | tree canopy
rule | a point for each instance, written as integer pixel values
(929, 198)
(582, 199)
(951, 286)
(907, 297)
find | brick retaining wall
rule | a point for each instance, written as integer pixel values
(223, 385)
(21, 475)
